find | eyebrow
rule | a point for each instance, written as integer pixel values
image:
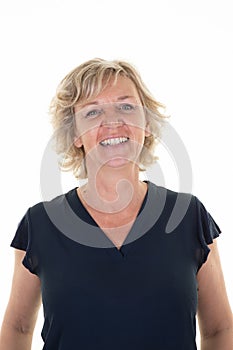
(120, 98)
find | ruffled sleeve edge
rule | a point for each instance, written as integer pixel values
(208, 230)
(25, 246)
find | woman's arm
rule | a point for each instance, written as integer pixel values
(214, 312)
(22, 310)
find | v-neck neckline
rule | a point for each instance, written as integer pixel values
(143, 221)
(91, 218)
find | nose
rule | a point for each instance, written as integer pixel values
(111, 124)
(111, 118)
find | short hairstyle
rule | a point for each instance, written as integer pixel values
(84, 83)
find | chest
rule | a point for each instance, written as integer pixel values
(115, 226)
(151, 266)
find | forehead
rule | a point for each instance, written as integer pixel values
(122, 86)
(116, 89)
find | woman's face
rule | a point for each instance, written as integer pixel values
(112, 126)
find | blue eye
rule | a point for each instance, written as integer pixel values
(126, 107)
(93, 113)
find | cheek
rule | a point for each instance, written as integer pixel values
(88, 138)
(139, 132)
(136, 120)
(88, 128)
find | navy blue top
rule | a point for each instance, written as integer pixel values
(141, 297)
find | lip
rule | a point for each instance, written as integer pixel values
(113, 137)
(107, 143)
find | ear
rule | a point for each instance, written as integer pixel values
(147, 130)
(78, 142)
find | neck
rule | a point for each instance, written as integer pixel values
(112, 190)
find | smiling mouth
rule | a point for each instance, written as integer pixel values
(114, 141)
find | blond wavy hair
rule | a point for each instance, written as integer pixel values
(84, 83)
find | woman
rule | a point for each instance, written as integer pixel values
(109, 275)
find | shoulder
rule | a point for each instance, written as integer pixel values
(178, 208)
(173, 197)
(41, 209)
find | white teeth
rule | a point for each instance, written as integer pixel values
(114, 141)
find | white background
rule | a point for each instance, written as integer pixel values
(183, 50)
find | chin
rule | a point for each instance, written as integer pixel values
(117, 163)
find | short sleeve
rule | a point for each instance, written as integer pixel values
(207, 228)
(22, 240)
